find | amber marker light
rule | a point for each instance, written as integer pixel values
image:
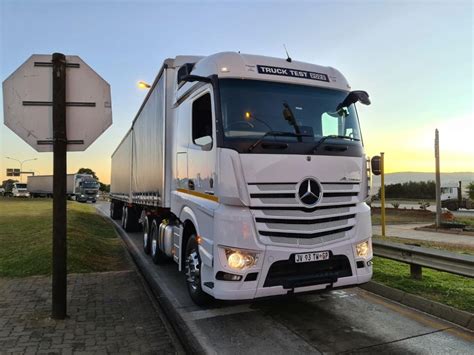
(248, 115)
(143, 85)
(198, 240)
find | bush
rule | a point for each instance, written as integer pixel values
(411, 189)
(396, 205)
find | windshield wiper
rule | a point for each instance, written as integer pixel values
(277, 134)
(333, 136)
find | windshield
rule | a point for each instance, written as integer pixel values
(90, 184)
(20, 186)
(252, 108)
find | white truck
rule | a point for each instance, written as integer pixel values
(452, 198)
(250, 173)
(79, 187)
(19, 189)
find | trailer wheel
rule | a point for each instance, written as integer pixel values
(115, 210)
(157, 255)
(146, 234)
(129, 219)
(192, 264)
(452, 205)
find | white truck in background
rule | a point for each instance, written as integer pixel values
(452, 197)
(250, 173)
(80, 187)
(19, 189)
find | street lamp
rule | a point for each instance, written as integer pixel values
(143, 85)
(21, 165)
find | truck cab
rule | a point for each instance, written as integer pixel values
(87, 190)
(20, 190)
(271, 178)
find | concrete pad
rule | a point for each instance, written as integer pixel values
(336, 321)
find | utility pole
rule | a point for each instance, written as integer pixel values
(59, 308)
(438, 181)
(382, 193)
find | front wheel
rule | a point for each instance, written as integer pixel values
(193, 267)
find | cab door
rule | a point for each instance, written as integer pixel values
(202, 147)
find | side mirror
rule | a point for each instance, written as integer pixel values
(376, 165)
(353, 97)
(204, 142)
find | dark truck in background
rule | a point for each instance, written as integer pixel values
(80, 187)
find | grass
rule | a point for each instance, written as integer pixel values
(26, 239)
(452, 290)
(468, 221)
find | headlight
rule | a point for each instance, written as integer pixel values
(363, 249)
(239, 259)
(83, 196)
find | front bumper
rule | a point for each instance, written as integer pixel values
(289, 282)
(86, 198)
(277, 273)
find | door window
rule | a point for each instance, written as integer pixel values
(202, 120)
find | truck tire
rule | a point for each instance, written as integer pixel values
(156, 254)
(146, 226)
(115, 210)
(192, 264)
(129, 219)
(452, 205)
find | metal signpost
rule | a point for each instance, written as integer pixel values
(57, 103)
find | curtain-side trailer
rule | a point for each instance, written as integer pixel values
(80, 187)
(250, 173)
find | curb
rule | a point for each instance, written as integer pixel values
(186, 336)
(448, 313)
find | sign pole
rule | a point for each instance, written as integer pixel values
(59, 301)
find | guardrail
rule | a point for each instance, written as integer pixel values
(454, 263)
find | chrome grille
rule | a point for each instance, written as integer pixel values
(282, 219)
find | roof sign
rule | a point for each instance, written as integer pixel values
(294, 73)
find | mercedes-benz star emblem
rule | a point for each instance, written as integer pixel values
(309, 192)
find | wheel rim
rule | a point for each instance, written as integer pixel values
(124, 217)
(153, 246)
(153, 243)
(193, 266)
(145, 232)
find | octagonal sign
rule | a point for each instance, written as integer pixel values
(28, 96)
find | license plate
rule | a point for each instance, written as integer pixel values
(309, 257)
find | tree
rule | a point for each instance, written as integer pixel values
(104, 187)
(6, 184)
(470, 190)
(88, 171)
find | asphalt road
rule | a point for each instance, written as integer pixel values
(343, 321)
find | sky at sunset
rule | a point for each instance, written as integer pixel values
(415, 59)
